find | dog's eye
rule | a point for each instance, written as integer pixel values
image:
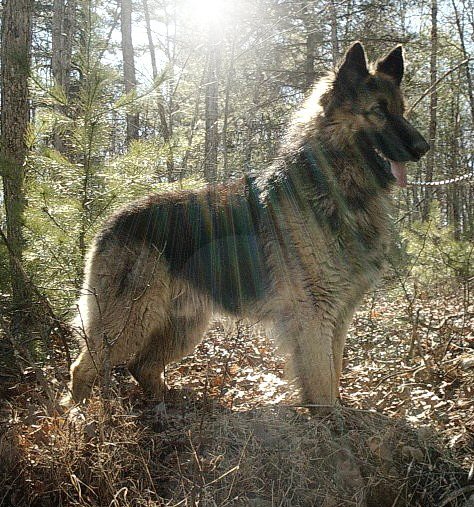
(377, 110)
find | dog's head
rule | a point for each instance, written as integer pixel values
(366, 105)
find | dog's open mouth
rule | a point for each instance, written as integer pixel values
(400, 172)
(397, 169)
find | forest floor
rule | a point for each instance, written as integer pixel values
(404, 434)
(404, 358)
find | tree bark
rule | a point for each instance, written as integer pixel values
(129, 76)
(454, 191)
(15, 60)
(194, 121)
(151, 45)
(334, 35)
(470, 91)
(165, 127)
(225, 123)
(211, 141)
(64, 16)
(312, 38)
(430, 159)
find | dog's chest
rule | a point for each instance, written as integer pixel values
(342, 247)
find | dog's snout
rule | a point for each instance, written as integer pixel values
(415, 143)
(420, 147)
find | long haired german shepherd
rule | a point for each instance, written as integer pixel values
(297, 245)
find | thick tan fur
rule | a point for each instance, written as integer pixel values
(134, 308)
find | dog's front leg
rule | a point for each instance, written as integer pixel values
(309, 339)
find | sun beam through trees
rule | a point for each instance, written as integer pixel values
(210, 107)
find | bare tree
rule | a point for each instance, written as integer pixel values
(313, 37)
(129, 76)
(430, 159)
(151, 45)
(211, 141)
(64, 15)
(15, 59)
(225, 122)
(470, 91)
(165, 126)
(334, 34)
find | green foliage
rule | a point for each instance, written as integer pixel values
(436, 257)
(4, 270)
(57, 214)
(140, 171)
(268, 53)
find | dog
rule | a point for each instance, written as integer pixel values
(295, 246)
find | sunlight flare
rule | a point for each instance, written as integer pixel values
(208, 13)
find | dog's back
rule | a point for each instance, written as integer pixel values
(298, 246)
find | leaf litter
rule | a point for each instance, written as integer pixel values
(232, 431)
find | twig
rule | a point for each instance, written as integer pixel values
(23, 353)
(42, 298)
(455, 494)
(444, 321)
(404, 372)
(414, 335)
(435, 84)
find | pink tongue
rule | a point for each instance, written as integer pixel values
(399, 171)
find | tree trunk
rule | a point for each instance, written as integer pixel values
(129, 76)
(225, 123)
(164, 126)
(468, 213)
(430, 159)
(64, 16)
(15, 59)
(312, 39)
(470, 91)
(194, 121)
(334, 35)
(455, 169)
(151, 45)
(211, 141)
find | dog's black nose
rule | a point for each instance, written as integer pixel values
(420, 147)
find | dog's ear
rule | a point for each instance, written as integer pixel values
(353, 68)
(392, 64)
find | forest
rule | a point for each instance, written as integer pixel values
(104, 102)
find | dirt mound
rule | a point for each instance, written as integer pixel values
(203, 455)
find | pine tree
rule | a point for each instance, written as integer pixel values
(15, 70)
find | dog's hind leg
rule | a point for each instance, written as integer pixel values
(83, 375)
(110, 339)
(148, 364)
(171, 343)
(314, 360)
(125, 298)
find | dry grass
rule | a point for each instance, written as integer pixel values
(198, 454)
(232, 443)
